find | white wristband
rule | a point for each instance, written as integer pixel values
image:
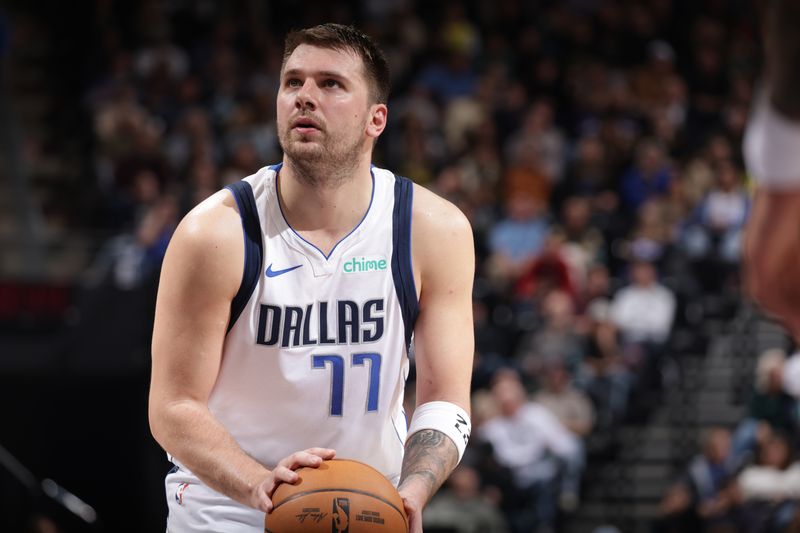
(772, 147)
(445, 417)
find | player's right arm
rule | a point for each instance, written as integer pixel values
(200, 276)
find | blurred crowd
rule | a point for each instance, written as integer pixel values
(594, 146)
(746, 479)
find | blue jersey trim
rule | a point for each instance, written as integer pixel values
(253, 247)
(371, 198)
(402, 264)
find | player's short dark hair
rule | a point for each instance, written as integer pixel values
(341, 37)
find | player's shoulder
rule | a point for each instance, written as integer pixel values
(440, 231)
(213, 219)
(206, 252)
(210, 233)
(437, 217)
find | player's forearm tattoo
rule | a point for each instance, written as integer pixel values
(430, 456)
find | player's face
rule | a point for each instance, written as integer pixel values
(323, 107)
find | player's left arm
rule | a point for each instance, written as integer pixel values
(444, 263)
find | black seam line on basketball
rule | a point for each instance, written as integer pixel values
(363, 493)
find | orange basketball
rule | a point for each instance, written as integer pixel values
(340, 496)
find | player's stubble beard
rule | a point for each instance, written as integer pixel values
(328, 162)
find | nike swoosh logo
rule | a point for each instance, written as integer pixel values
(273, 273)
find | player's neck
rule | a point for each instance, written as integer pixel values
(325, 208)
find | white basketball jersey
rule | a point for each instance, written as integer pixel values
(317, 349)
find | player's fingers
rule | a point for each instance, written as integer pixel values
(283, 474)
(323, 453)
(299, 459)
(265, 504)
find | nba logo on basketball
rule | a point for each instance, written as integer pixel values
(341, 515)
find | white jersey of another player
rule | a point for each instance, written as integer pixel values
(317, 348)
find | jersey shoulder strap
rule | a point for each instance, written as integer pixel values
(253, 246)
(402, 270)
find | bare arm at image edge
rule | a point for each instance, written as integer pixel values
(772, 238)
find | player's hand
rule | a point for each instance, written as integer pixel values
(284, 472)
(413, 505)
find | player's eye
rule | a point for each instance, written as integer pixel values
(293, 82)
(331, 83)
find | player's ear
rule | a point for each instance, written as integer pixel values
(378, 115)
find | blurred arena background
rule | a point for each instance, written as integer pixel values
(595, 147)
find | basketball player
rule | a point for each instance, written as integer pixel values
(772, 153)
(288, 304)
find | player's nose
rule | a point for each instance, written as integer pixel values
(306, 96)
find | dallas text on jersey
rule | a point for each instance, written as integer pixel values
(311, 325)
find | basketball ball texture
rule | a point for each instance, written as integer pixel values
(340, 496)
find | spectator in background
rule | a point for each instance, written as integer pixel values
(770, 407)
(570, 405)
(139, 255)
(530, 441)
(451, 78)
(161, 55)
(550, 271)
(247, 129)
(589, 176)
(482, 165)
(117, 121)
(675, 104)
(713, 234)
(650, 82)
(649, 177)
(575, 412)
(698, 172)
(643, 313)
(652, 237)
(540, 136)
(556, 341)
(702, 497)
(202, 181)
(770, 489)
(603, 374)
(419, 151)
(584, 244)
(191, 139)
(525, 176)
(516, 240)
(243, 162)
(644, 310)
(462, 117)
(597, 288)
